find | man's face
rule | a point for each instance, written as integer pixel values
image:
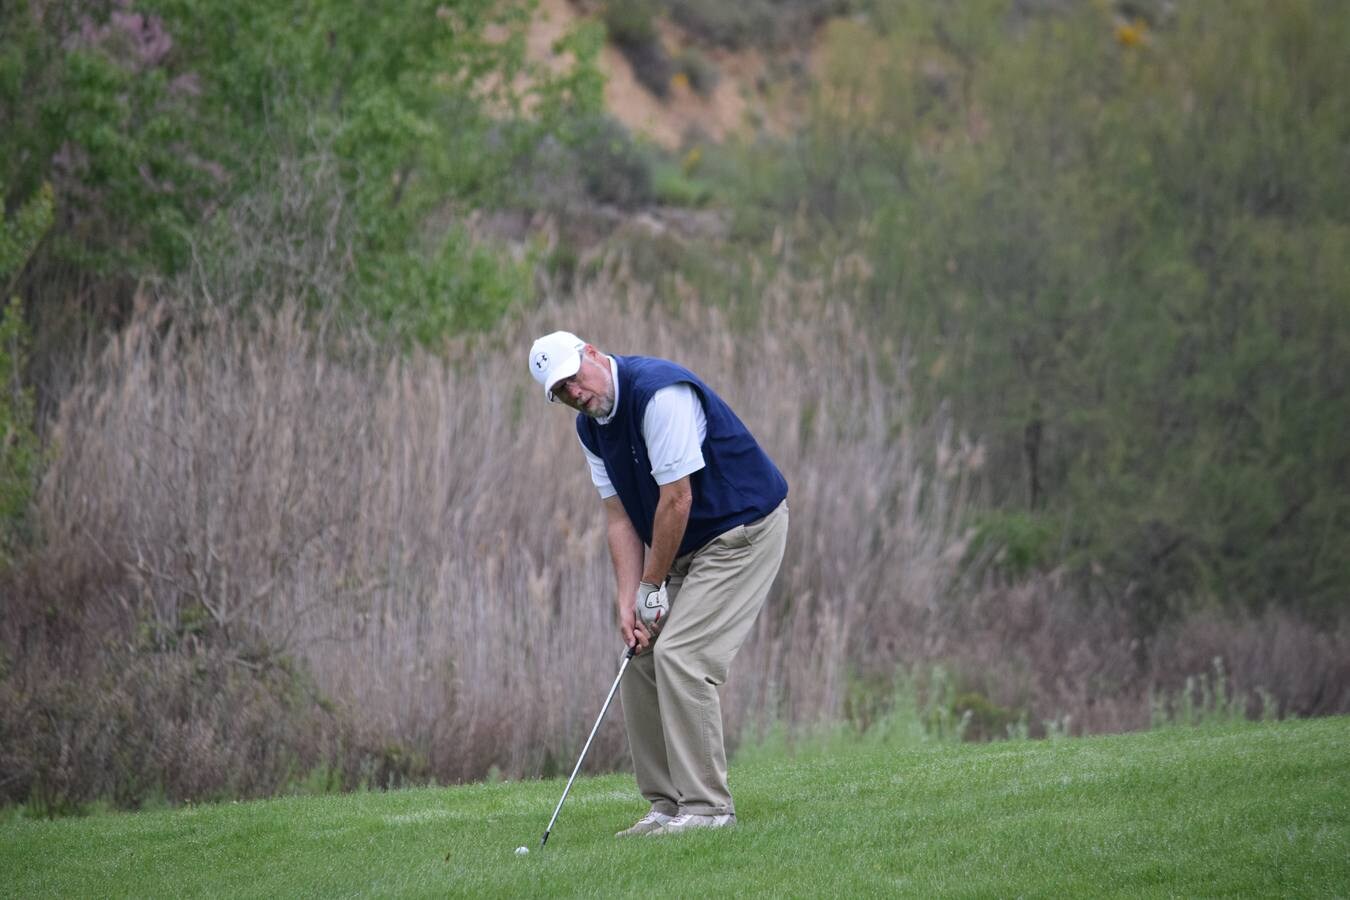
(590, 391)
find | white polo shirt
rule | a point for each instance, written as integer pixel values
(674, 427)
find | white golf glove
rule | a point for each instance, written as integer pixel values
(653, 606)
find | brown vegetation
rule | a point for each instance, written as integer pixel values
(260, 563)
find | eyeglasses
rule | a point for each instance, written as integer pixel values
(561, 387)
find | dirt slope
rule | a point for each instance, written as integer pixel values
(735, 104)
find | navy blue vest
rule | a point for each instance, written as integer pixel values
(738, 483)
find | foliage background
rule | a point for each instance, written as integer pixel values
(1071, 280)
(1121, 256)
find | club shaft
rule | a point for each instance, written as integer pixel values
(598, 719)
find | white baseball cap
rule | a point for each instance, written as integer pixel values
(554, 357)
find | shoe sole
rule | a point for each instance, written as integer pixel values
(628, 832)
(663, 830)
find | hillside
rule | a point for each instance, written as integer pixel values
(741, 99)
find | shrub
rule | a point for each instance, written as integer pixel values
(19, 451)
(631, 22)
(731, 25)
(129, 728)
(651, 65)
(755, 22)
(463, 285)
(701, 71)
(147, 118)
(672, 187)
(614, 167)
(1113, 261)
(1015, 542)
(631, 25)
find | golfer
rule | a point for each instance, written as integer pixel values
(696, 518)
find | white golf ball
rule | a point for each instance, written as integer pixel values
(521, 851)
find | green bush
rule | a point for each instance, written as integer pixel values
(615, 168)
(672, 187)
(462, 286)
(152, 116)
(19, 450)
(631, 22)
(92, 104)
(1123, 260)
(1016, 542)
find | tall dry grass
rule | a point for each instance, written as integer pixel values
(408, 560)
(422, 533)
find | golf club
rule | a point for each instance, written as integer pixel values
(622, 666)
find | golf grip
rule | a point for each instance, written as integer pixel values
(628, 655)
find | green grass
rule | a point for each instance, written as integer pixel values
(1251, 810)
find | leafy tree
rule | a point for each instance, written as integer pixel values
(151, 116)
(1124, 262)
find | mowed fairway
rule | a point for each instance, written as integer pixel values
(1252, 810)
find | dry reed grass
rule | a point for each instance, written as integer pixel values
(421, 534)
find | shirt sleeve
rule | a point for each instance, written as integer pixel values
(599, 476)
(674, 427)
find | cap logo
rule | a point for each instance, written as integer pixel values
(540, 361)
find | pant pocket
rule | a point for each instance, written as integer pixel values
(737, 538)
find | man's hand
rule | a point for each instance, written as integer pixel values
(652, 605)
(633, 632)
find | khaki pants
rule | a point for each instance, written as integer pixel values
(670, 703)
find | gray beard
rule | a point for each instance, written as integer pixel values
(600, 413)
